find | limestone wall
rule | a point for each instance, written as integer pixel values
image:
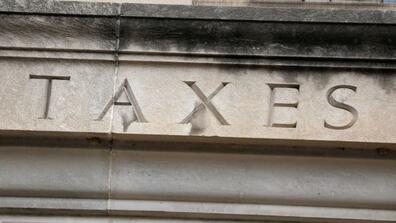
(116, 112)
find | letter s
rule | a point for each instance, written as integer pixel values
(341, 105)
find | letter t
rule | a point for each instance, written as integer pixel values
(48, 90)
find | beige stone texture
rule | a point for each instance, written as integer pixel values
(74, 104)
(53, 172)
(238, 178)
(166, 182)
(244, 103)
(200, 115)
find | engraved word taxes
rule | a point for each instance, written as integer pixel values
(205, 102)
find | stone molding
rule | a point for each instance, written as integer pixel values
(367, 14)
(275, 36)
(151, 181)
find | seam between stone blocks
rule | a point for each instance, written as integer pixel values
(116, 69)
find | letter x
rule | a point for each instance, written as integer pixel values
(205, 102)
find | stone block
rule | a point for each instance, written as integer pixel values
(55, 95)
(254, 179)
(52, 172)
(325, 39)
(243, 102)
(57, 32)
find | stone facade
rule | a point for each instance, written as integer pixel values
(121, 112)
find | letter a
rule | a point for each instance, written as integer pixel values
(126, 88)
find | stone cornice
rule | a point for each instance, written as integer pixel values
(335, 13)
(340, 36)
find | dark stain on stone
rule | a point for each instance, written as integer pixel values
(383, 77)
(259, 38)
(289, 75)
(126, 121)
(198, 121)
(94, 140)
(383, 151)
(322, 77)
(386, 79)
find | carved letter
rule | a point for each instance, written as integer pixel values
(126, 88)
(274, 104)
(341, 105)
(48, 90)
(205, 102)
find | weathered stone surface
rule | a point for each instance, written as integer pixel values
(238, 178)
(59, 7)
(337, 41)
(270, 12)
(57, 32)
(241, 109)
(157, 182)
(70, 104)
(52, 205)
(242, 106)
(291, 13)
(52, 172)
(83, 84)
